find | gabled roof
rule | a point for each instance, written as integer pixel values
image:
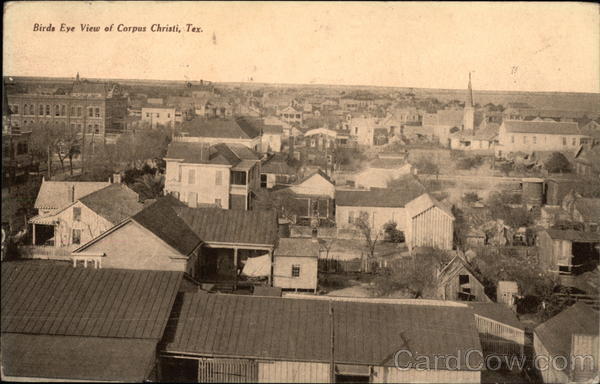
(555, 334)
(203, 153)
(297, 247)
(115, 203)
(272, 129)
(542, 127)
(56, 194)
(231, 225)
(277, 165)
(298, 329)
(381, 197)
(498, 312)
(232, 128)
(575, 236)
(161, 219)
(315, 173)
(423, 203)
(62, 300)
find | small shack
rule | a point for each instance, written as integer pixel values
(296, 264)
(457, 281)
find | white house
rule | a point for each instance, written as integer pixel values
(159, 115)
(290, 114)
(296, 264)
(271, 138)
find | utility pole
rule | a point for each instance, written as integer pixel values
(332, 362)
(85, 112)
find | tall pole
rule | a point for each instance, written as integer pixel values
(332, 362)
(85, 112)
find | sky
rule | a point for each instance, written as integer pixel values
(506, 46)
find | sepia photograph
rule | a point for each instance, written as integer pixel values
(300, 192)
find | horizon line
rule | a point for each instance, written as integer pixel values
(273, 84)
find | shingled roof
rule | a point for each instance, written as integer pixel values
(203, 153)
(231, 226)
(57, 194)
(299, 330)
(380, 197)
(115, 203)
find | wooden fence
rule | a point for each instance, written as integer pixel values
(346, 266)
(227, 371)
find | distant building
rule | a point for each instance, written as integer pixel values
(528, 136)
(16, 156)
(290, 114)
(275, 170)
(239, 130)
(380, 172)
(159, 115)
(458, 281)
(295, 264)
(223, 175)
(469, 110)
(587, 161)
(100, 108)
(271, 138)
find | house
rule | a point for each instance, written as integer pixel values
(271, 138)
(320, 138)
(86, 218)
(226, 175)
(56, 195)
(424, 221)
(381, 171)
(310, 198)
(231, 240)
(225, 338)
(480, 140)
(583, 210)
(527, 136)
(569, 345)
(587, 161)
(61, 323)
(159, 115)
(239, 130)
(291, 115)
(364, 129)
(287, 129)
(153, 239)
(442, 123)
(275, 170)
(295, 264)
(457, 281)
(568, 253)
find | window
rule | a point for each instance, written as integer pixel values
(296, 270)
(219, 178)
(169, 115)
(25, 109)
(512, 139)
(79, 111)
(15, 109)
(147, 114)
(158, 115)
(40, 110)
(524, 139)
(574, 142)
(191, 176)
(91, 112)
(350, 217)
(72, 110)
(534, 139)
(97, 112)
(76, 213)
(47, 110)
(21, 148)
(564, 141)
(297, 116)
(57, 110)
(463, 279)
(179, 170)
(77, 236)
(63, 110)
(218, 202)
(263, 180)
(238, 178)
(96, 128)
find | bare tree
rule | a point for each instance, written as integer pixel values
(370, 236)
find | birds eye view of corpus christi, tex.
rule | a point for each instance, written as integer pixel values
(329, 192)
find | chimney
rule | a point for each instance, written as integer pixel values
(72, 193)
(204, 151)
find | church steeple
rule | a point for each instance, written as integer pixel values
(77, 77)
(469, 101)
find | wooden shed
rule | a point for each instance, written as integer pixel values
(295, 264)
(457, 281)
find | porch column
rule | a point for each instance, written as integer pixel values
(270, 281)
(235, 266)
(33, 237)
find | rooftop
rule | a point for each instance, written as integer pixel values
(232, 128)
(56, 194)
(203, 153)
(380, 197)
(575, 236)
(299, 329)
(542, 127)
(115, 203)
(298, 247)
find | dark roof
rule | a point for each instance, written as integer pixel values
(233, 128)
(56, 194)
(273, 129)
(203, 153)
(542, 127)
(555, 334)
(62, 300)
(572, 235)
(88, 87)
(498, 312)
(299, 329)
(317, 172)
(277, 165)
(231, 225)
(77, 358)
(380, 197)
(298, 247)
(115, 203)
(161, 219)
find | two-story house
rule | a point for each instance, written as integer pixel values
(223, 175)
(246, 131)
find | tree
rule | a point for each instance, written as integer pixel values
(557, 163)
(469, 162)
(426, 166)
(506, 168)
(149, 186)
(470, 197)
(370, 236)
(392, 232)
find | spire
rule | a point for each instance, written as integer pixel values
(469, 101)
(77, 78)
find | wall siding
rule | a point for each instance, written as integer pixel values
(282, 272)
(394, 375)
(431, 228)
(292, 372)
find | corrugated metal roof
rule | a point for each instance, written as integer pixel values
(77, 358)
(498, 312)
(62, 300)
(380, 197)
(299, 329)
(542, 127)
(556, 333)
(238, 128)
(56, 194)
(115, 203)
(231, 225)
